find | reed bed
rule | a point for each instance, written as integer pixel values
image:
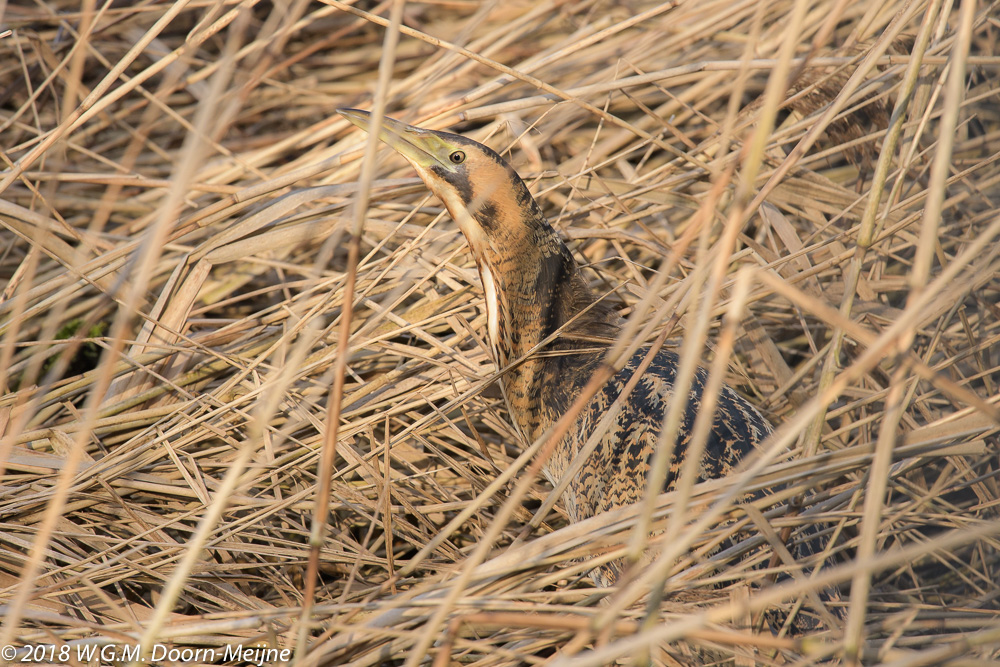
(246, 400)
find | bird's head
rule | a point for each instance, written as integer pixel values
(485, 196)
(530, 280)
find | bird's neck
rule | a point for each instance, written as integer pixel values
(529, 297)
(532, 294)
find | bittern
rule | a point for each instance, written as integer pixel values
(534, 289)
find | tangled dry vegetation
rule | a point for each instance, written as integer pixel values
(816, 184)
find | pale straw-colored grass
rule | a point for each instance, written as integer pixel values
(202, 447)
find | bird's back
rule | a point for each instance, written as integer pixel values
(615, 474)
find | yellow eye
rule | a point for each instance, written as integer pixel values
(458, 157)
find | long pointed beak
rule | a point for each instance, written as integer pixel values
(417, 145)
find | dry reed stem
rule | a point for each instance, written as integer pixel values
(179, 308)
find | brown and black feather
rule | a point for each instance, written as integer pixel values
(540, 290)
(534, 289)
